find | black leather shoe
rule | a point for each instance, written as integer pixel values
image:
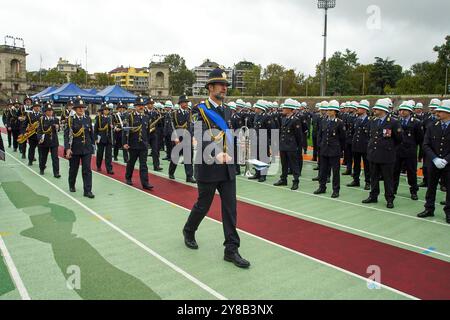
(129, 182)
(315, 179)
(99, 169)
(281, 183)
(148, 187)
(158, 169)
(414, 197)
(72, 189)
(237, 260)
(110, 172)
(316, 169)
(367, 187)
(57, 176)
(41, 172)
(171, 177)
(370, 200)
(30, 164)
(347, 173)
(190, 180)
(335, 195)
(354, 184)
(294, 186)
(115, 159)
(23, 156)
(443, 203)
(390, 205)
(423, 185)
(320, 191)
(425, 214)
(89, 195)
(255, 177)
(443, 189)
(189, 241)
(262, 179)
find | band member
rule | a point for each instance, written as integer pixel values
(385, 134)
(332, 140)
(155, 117)
(359, 145)
(2, 149)
(5, 119)
(135, 140)
(437, 150)
(407, 150)
(47, 135)
(120, 118)
(167, 128)
(79, 143)
(21, 114)
(29, 126)
(13, 124)
(217, 171)
(291, 135)
(182, 121)
(104, 135)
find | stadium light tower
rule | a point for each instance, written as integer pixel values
(325, 4)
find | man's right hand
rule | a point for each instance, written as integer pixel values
(69, 153)
(223, 158)
(126, 147)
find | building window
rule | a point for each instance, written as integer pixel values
(16, 87)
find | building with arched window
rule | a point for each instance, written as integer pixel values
(13, 72)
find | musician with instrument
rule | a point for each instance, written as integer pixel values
(13, 124)
(155, 117)
(5, 119)
(104, 138)
(22, 115)
(181, 122)
(119, 118)
(79, 143)
(135, 140)
(28, 131)
(47, 136)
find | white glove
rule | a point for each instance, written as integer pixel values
(440, 163)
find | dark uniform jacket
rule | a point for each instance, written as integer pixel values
(82, 135)
(137, 136)
(30, 119)
(332, 137)
(412, 138)
(209, 171)
(47, 130)
(361, 135)
(103, 127)
(291, 134)
(437, 142)
(349, 123)
(13, 120)
(384, 139)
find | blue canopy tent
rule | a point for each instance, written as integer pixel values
(43, 92)
(115, 94)
(71, 91)
(92, 91)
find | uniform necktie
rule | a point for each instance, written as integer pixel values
(444, 126)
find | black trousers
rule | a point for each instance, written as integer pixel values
(411, 170)
(188, 168)
(9, 138)
(74, 164)
(290, 159)
(32, 150)
(357, 157)
(43, 155)
(23, 148)
(328, 164)
(154, 144)
(386, 171)
(118, 145)
(104, 150)
(434, 176)
(15, 135)
(168, 144)
(206, 192)
(348, 157)
(315, 148)
(142, 155)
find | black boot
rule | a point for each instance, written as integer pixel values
(370, 200)
(281, 183)
(425, 214)
(414, 196)
(423, 185)
(295, 186)
(354, 184)
(367, 186)
(320, 191)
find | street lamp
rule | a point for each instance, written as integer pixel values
(325, 4)
(281, 86)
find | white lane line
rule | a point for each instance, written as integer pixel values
(13, 271)
(350, 203)
(129, 237)
(269, 242)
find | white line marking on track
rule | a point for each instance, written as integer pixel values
(13, 271)
(129, 237)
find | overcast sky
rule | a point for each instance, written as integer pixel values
(287, 32)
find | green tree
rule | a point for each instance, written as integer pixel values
(444, 61)
(252, 80)
(103, 79)
(53, 76)
(384, 72)
(79, 77)
(181, 78)
(272, 77)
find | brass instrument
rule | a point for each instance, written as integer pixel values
(31, 130)
(244, 149)
(152, 126)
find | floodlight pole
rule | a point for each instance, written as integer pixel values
(323, 79)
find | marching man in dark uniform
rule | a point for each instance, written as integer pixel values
(217, 171)
(182, 121)
(168, 128)
(47, 135)
(359, 145)
(13, 124)
(349, 123)
(104, 128)
(155, 117)
(79, 142)
(437, 150)
(120, 117)
(407, 150)
(30, 124)
(385, 135)
(5, 119)
(22, 114)
(332, 140)
(291, 135)
(135, 140)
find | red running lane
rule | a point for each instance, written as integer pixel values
(415, 274)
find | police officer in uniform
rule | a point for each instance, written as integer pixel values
(119, 119)
(217, 171)
(47, 135)
(359, 145)
(407, 150)
(104, 136)
(182, 121)
(332, 140)
(291, 135)
(32, 120)
(155, 117)
(349, 123)
(385, 135)
(437, 149)
(135, 141)
(13, 124)
(79, 142)
(22, 114)
(5, 116)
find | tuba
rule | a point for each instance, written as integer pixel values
(244, 144)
